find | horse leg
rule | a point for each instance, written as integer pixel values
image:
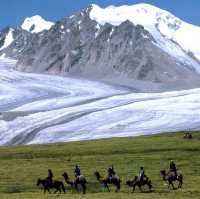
(59, 189)
(83, 188)
(56, 191)
(171, 183)
(133, 189)
(76, 186)
(150, 186)
(106, 185)
(63, 187)
(118, 187)
(180, 184)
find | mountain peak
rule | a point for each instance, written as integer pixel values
(160, 23)
(36, 24)
(137, 13)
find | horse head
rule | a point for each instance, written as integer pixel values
(163, 172)
(38, 182)
(97, 174)
(65, 175)
(129, 183)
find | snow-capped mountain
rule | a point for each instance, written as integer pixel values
(163, 25)
(140, 46)
(36, 24)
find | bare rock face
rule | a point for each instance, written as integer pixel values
(126, 54)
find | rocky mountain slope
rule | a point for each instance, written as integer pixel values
(139, 46)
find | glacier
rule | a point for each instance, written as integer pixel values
(37, 109)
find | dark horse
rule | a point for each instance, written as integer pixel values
(105, 181)
(47, 185)
(81, 180)
(170, 177)
(137, 183)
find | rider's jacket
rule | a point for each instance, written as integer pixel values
(141, 174)
(77, 171)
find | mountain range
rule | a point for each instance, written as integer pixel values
(138, 46)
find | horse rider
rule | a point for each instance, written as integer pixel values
(141, 174)
(173, 168)
(111, 172)
(50, 176)
(77, 171)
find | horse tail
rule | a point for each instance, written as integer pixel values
(150, 184)
(119, 186)
(63, 187)
(180, 177)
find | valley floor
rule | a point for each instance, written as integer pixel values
(21, 166)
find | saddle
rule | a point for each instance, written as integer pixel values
(79, 178)
(172, 175)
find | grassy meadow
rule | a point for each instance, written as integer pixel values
(21, 166)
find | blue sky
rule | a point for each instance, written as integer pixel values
(12, 12)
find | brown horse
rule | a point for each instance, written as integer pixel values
(58, 185)
(105, 181)
(170, 177)
(81, 180)
(137, 183)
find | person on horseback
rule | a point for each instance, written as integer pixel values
(172, 168)
(111, 172)
(141, 174)
(50, 177)
(77, 171)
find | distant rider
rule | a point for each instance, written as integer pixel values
(50, 176)
(111, 172)
(77, 171)
(173, 168)
(141, 174)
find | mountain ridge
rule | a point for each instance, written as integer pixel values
(134, 51)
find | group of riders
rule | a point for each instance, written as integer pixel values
(141, 175)
(111, 172)
(77, 174)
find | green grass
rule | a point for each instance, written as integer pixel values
(21, 166)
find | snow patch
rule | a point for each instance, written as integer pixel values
(36, 24)
(112, 32)
(97, 30)
(3, 56)
(9, 39)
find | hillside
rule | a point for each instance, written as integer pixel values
(21, 166)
